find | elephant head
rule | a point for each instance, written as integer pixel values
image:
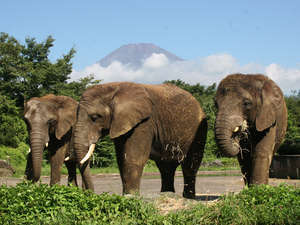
(245, 103)
(46, 117)
(108, 109)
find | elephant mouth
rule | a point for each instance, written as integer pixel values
(240, 134)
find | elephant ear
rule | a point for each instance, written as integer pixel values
(130, 107)
(66, 114)
(271, 101)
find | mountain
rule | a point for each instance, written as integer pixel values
(135, 54)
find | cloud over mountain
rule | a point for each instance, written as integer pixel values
(158, 67)
(134, 55)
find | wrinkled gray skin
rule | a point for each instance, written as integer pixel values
(50, 120)
(251, 123)
(160, 122)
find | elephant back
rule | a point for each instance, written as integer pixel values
(178, 114)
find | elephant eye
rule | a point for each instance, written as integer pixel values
(247, 103)
(94, 117)
(51, 121)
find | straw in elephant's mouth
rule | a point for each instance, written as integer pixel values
(240, 135)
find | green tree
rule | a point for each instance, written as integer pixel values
(75, 89)
(12, 127)
(104, 155)
(26, 71)
(291, 144)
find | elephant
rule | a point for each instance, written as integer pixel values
(159, 122)
(50, 120)
(251, 123)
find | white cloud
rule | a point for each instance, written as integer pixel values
(206, 71)
(156, 61)
(287, 78)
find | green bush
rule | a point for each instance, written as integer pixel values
(15, 156)
(104, 154)
(40, 204)
(260, 204)
(12, 127)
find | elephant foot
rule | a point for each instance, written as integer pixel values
(189, 195)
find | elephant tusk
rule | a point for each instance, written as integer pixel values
(88, 155)
(236, 129)
(67, 158)
(29, 150)
(46, 144)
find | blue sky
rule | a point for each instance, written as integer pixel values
(255, 36)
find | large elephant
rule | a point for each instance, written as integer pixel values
(49, 121)
(251, 123)
(160, 122)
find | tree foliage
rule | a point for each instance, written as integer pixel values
(291, 144)
(104, 155)
(12, 127)
(74, 89)
(26, 71)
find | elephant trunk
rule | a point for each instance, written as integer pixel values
(80, 137)
(80, 141)
(37, 141)
(226, 129)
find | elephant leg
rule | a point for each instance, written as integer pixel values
(167, 173)
(71, 166)
(29, 167)
(133, 150)
(56, 161)
(262, 158)
(85, 172)
(131, 169)
(244, 159)
(190, 167)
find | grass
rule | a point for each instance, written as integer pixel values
(27, 203)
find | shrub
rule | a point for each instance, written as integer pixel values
(15, 156)
(260, 204)
(40, 204)
(12, 128)
(104, 154)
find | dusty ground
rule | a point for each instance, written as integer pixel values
(206, 184)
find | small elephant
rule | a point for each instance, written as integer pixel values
(49, 122)
(160, 122)
(251, 123)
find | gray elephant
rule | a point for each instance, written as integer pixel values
(251, 123)
(160, 122)
(49, 121)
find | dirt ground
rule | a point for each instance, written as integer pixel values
(208, 185)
